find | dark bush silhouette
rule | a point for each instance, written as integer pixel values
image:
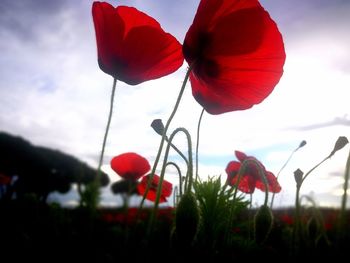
(41, 170)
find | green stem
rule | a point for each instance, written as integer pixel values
(278, 174)
(189, 168)
(107, 129)
(180, 175)
(344, 197)
(307, 174)
(177, 150)
(96, 182)
(296, 228)
(164, 135)
(297, 222)
(161, 177)
(197, 145)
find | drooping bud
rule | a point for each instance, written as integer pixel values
(339, 144)
(298, 176)
(158, 126)
(263, 222)
(302, 144)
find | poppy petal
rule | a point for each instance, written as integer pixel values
(238, 53)
(246, 183)
(157, 54)
(233, 167)
(130, 165)
(241, 156)
(273, 185)
(132, 46)
(152, 193)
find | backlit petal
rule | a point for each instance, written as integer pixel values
(130, 166)
(132, 46)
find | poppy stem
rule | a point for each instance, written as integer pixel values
(98, 175)
(164, 135)
(197, 145)
(180, 175)
(189, 173)
(302, 144)
(297, 222)
(341, 219)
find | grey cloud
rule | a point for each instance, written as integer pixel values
(343, 121)
(24, 18)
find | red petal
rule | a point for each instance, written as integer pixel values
(152, 193)
(272, 182)
(232, 167)
(130, 165)
(246, 183)
(240, 156)
(109, 29)
(241, 60)
(150, 53)
(132, 46)
(4, 179)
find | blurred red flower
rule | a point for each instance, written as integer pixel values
(132, 46)
(130, 166)
(5, 179)
(237, 54)
(166, 189)
(287, 219)
(251, 177)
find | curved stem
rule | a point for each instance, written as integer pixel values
(177, 150)
(180, 175)
(278, 174)
(189, 173)
(164, 135)
(261, 169)
(325, 159)
(161, 177)
(197, 145)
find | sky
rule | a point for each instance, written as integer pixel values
(53, 93)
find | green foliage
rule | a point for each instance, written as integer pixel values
(90, 196)
(219, 212)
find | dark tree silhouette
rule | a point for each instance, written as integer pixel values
(41, 170)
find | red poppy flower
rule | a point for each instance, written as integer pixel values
(132, 46)
(251, 178)
(130, 166)
(166, 190)
(287, 219)
(4, 179)
(237, 55)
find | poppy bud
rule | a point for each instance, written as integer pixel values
(339, 144)
(186, 219)
(158, 126)
(302, 144)
(298, 176)
(263, 221)
(313, 228)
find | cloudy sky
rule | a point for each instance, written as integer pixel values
(53, 93)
